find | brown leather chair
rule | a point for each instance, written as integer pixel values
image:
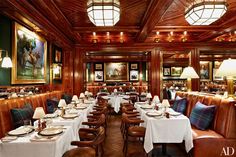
(80, 152)
(132, 129)
(93, 123)
(96, 143)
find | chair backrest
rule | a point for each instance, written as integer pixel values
(100, 136)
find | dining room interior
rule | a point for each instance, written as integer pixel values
(117, 78)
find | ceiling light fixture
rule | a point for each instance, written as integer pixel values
(205, 12)
(104, 12)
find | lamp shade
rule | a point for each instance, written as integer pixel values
(81, 96)
(6, 63)
(62, 103)
(165, 103)
(189, 72)
(227, 68)
(75, 98)
(38, 113)
(205, 12)
(115, 90)
(86, 93)
(149, 95)
(103, 12)
(156, 99)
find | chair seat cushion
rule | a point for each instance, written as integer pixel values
(202, 115)
(197, 134)
(136, 131)
(180, 105)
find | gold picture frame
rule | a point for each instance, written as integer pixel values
(205, 71)
(29, 56)
(116, 71)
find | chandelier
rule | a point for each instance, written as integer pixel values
(205, 12)
(104, 12)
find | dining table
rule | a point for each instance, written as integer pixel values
(116, 99)
(34, 144)
(174, 128)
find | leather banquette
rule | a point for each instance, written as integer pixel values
(221, 136)
(6, 105)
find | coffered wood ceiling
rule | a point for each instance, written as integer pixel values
(66, 21)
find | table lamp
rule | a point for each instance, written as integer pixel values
(165, 103)
(189, 73)
(149, 96)
(227, 68)
(82, 96)
(75, 98)
(62, 105)
(86, 93)
(38, 114)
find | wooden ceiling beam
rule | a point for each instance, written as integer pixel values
(56, 17)
(185, 28)
(131, 29)
(155, 11)
(225, 27)
(27, 11)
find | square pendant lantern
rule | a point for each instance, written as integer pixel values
(205, 12)
(104, 12)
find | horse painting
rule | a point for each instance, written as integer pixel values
(30, 57)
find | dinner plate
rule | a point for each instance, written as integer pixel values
(23, 130)
(80, 107)
(69, 116)
(154, 114)
(51, 115)
(50, 131)
(147, 107)
(8, 138)
(141, 103)
(175, 113)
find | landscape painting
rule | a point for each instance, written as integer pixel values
(29, 57)
(116, 71)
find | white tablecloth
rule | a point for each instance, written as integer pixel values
(115, 101)
(166, 130)
(23, 147)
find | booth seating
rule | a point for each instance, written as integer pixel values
(38, 100)
(222, 132)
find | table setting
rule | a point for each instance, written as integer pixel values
(27, 141)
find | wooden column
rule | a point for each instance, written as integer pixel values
(79, 71)
(155, 72)
(194, 61)
(68, 71)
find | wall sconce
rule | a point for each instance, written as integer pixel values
(95, 41)
(6, 61)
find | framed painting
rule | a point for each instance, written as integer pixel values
(57, 57)
(205, 70)
(133, 75)
(29, 56)
(98, 66)
(216, 67)
(116, 71)
(176, 71)
(98, 76)
(133, 66)
(166, 71)
(57, 72)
